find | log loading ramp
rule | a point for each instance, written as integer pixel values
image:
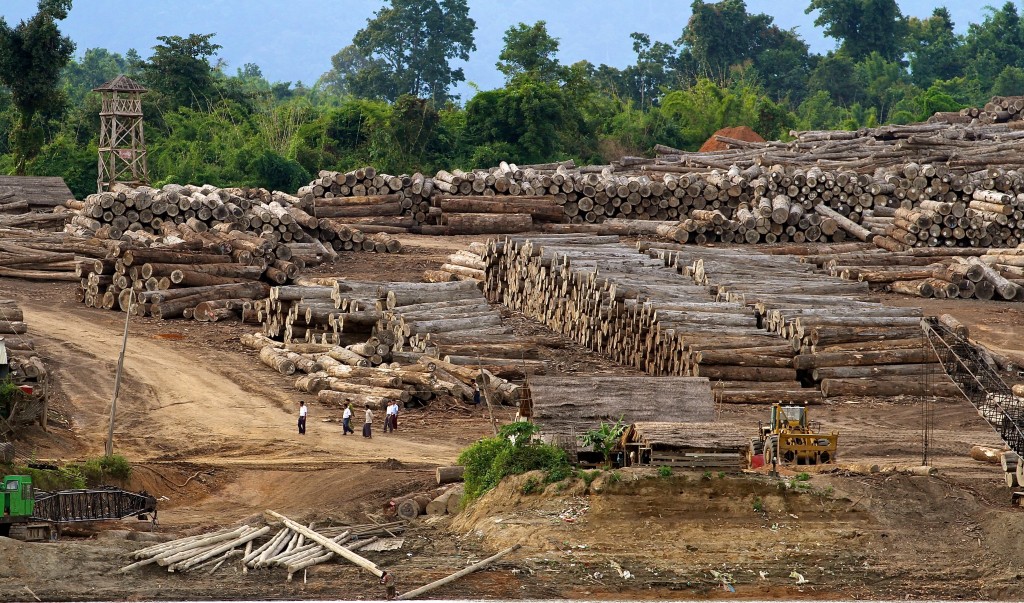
(974, 375)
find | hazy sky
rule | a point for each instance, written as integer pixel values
(294, 40)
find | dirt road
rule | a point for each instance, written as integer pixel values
(182, 402)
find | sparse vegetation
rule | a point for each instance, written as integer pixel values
(758, 505)
(531, 485)
(512, 452)
(665, 471)
(88, 474)
(706, 475)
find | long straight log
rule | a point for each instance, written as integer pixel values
(881, 387)
(412, 594)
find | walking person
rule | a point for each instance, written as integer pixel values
(302, 417)
(346, 419)
(394, 417)
(368, 423)
(388, 580)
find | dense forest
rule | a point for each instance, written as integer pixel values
(387, 101)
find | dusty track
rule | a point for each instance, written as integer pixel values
(185, 403)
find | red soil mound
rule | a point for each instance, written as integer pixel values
(739, 133)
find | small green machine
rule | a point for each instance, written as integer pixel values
(19, 503)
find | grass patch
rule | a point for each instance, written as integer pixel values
(758, 504)
(76, 476)
(532, 485)
(665, 471)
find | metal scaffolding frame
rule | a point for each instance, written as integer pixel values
(979, 383)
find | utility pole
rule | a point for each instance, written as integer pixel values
(117, 378)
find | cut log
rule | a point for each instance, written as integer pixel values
(439, 506)
(469, 223)
(832, 388)
(449, 475)
(985, 454)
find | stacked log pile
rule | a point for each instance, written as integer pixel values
(748, 321)
(629, 308)
(197, 278)
(1000, 109)
(286, 222)
(25, 368)
(846, 343)
(992, 273)
(354, 342)
(467, 264)
(261, 547)
(46, 256)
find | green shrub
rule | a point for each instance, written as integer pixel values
(116, 466)
(614, 477)
(803, 477)
(532, 485)
(511, 452)
(8, 391)
(758, 504)
(706, 475)
(588, 477)
(666, 471)
(721, 475)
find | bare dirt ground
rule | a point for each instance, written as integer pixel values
(212, 432)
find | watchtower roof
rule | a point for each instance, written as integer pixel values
(121, 83)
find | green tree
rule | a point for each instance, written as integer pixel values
(97, 66)
(935, 50)
(180, 70)
(718, 35)
(1009, 82)
(724, 35)
(993, 44)
(530, 50)
(655, 69)
(863, 26)
(883, 83)
(32, 55)
(529, 116)
(835, 73)
(707, 106)
(409, 46)
(353, 72)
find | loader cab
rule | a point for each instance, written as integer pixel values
(18, 497)
(788, 417)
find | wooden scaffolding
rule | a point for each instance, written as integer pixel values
(122, 149)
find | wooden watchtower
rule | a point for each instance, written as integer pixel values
(122, 151)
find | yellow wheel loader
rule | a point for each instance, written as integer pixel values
(792, 440)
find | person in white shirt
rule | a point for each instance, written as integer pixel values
(387, 418)
(394, 417)
(346, 419)
(302, 417)
(368, 424)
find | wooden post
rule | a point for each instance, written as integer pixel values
(465, 572)
(329, 544)
(117, 379)
(487, 399)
